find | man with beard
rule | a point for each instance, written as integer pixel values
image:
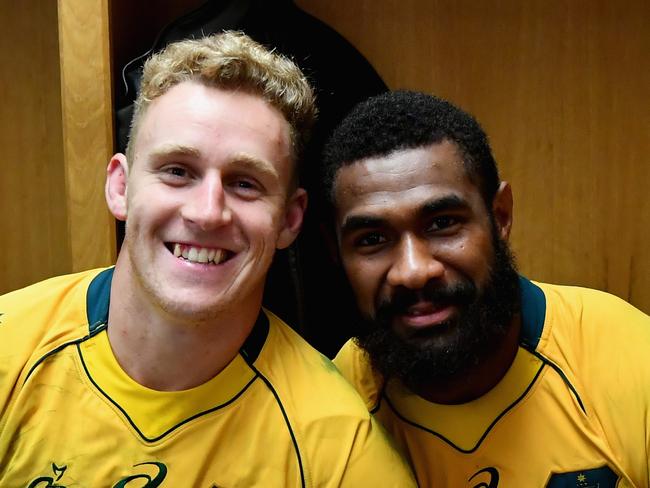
(484, 378)
(164, 370)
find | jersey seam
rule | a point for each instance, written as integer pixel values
(54, 351)
(269, 385)
(487, 430)
(130, 421)
(562, 376)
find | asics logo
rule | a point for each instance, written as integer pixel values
(487, 478)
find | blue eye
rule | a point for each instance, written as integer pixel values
(245, 187)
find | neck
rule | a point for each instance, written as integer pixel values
(168, 353)
(476, 380)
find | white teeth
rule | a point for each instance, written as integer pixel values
(203, 255)
(193, 254)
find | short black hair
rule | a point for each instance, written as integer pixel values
(406, 120)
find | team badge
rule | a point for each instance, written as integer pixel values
(587, 478)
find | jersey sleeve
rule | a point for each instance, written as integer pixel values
(623, 368)
(338, 442)
(17, 344)
(611, 358)
(352, 450)
(354, 365)
(29, 328)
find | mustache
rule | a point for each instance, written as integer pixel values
(462, 293)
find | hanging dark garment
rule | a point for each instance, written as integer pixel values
(304, 287)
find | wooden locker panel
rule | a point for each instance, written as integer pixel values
(561, 88)
(33, 226)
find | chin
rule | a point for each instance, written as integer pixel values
(192, 312)
(438, 335)
(191, 306)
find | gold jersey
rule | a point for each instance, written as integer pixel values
(279, 414)
(572, 411)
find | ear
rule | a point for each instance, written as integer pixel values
(502, 210)
(117, 174)
(294, 213)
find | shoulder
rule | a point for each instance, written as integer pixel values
(62, 297)
(304, 374)
(52, 292)
(583, 314)
(601, 343)
(598, 339)
(342, 444)
(40, 317)
(354, 364)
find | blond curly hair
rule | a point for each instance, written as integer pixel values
(232, 61)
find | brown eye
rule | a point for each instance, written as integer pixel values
(369, 240)
(442, 222)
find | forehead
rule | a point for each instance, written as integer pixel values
(194, 115)
(402, 181)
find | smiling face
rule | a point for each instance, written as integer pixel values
(207, 201)
(424, 255)
(406, 220)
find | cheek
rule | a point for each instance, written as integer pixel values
(147, 210)
(260, 222)
(144, 197)
(365, 282)
(474, 257)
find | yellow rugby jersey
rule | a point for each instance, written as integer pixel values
(278, 415)
(572, 411)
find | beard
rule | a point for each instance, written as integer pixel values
(451, 347)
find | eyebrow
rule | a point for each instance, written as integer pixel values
(255, 164)
(359, 222)
(167, 150)
(450, 202)
(241, 160)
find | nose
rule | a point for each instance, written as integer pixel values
(206, 204)
(414, 264)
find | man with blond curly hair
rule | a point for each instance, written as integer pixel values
(164, 370)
